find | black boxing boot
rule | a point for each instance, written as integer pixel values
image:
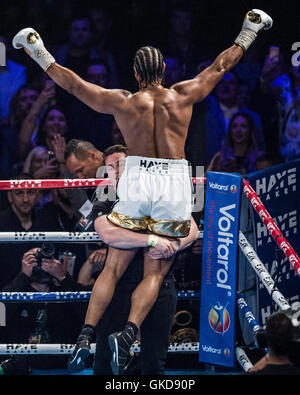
(82, 349)
(120, 343)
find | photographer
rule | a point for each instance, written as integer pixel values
(41, 323)
(282, 348)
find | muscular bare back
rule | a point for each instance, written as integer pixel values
(154, 121)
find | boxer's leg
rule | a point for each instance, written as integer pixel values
(116, 263)
(145, 295)
(142, 300)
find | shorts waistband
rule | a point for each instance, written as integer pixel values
(147, 163)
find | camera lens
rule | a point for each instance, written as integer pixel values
(47, 250)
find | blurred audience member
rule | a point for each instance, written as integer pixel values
(249, 68)
(53, 123)
(211, 117)
(12, 77)
(285, 87)
(227, 93)
(42, 164)
(20, 106)
(38, 165)
(20, 216)
(78, 52)
(180, 38)
(101, 23)
(35, 105)
(173, 72)
(281, 341)
(85, 123)
(240, 150)
(43, 323)
(266, 160)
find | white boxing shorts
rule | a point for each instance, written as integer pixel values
(156, 195)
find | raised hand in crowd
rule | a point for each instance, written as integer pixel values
(271, 68)
(30, 122)
(59, 145)
(48, 170)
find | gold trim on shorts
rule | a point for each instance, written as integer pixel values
(167, 228)
(124, 221)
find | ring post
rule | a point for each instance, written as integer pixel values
(219, 262)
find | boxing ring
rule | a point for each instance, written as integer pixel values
(77, 237)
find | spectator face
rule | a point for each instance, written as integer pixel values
(227, 89)
(80, 33)
(98, 75)
(22, 201)
(100, 21)
(240, 130)
(84, 168)
(181, 22)
(115, 164)
(26, 99)
(39, 160)
(55, 124)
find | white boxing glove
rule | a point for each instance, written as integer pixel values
(255, 21)
(31, 41)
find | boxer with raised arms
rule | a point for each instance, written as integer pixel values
(154, 122)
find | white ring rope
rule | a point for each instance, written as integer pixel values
(77, 296)
(70, 296)
(248, 314)
(262, 273)
(55, 349)
(59, 237)
(83, 237)
(242, 359)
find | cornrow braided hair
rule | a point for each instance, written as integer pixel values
(149, 64)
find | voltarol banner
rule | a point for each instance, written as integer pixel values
(219, 261)
(278, 189)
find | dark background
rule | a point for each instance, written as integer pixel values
(216, 23)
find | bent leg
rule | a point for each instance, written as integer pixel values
(145, 295)
(116, 263)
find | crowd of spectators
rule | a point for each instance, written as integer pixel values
(98, 41)
(251, 118)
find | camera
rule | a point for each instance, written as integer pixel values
(47, 251)
(51, 155)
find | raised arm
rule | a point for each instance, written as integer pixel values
(198, 88)
(107, 101)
